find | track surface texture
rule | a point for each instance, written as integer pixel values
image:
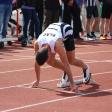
(17, 74)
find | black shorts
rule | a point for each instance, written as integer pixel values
(92, 11)
(106, 11)
(69, 44)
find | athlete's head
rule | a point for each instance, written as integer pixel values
(42, 56)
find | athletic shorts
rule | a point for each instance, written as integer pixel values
(69, 44)
(106, 11)
(92, 11)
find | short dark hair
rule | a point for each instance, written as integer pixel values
(42, 56)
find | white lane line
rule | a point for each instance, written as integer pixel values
(17, 59)
(79, 53)
(25, 69)
(9, 52)
(20, 70)
(84, 53)
(31, 57)
(55, 100)
(101, 61)
(48, 81)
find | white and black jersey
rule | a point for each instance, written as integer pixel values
(54, 32)
(63, 29)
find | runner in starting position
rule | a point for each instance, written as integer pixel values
(58, 39)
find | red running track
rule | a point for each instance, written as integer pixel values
(17, 74)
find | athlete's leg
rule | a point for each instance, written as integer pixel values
(79, 63)
(75, 61)
(52, 61)
(70, 51)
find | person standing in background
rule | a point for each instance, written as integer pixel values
(29, 12)
(110, 28)
(106, 12)
(51, 12)
(39, 10)
(91, 11)
(72, 12)
(5, 13)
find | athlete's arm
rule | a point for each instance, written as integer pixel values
(37, 71)
(62, 54)
(36, 46)
(37, 68)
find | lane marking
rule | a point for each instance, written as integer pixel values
(79, 53)
(25, 69)
(96, 61)
(19, 70)
(93, 52)
(48, 81)
(25, 49)
(17, 59)
(55, 100)
(31, 57)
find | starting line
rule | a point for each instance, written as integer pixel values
(55, 100)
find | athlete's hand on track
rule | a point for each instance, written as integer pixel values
(73, 88)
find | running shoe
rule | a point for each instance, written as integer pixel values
(64, 81)
(86, 76)
(90, 37)
(109, 37)
(103, 37)
(93, 35)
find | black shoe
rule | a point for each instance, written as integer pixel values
(24, 44)
(93, 35)
(20, 38)
(86, 76)
(64, 82)
(89, 36)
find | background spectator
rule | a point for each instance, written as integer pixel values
(39, 10)
(72, 14)
(106, 12)
(51, 12)
(92, 18)
(29, 12)
(5, 13)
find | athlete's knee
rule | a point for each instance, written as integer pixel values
(71, 61)
(50, 62)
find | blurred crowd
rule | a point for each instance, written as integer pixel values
(87, 17)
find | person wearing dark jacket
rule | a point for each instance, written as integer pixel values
(29, 12)
(72, 12)
(51, 12)
(39, 10)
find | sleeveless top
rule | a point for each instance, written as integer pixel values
(54, 32)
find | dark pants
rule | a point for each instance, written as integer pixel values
(50, 17)
(31, 27)
(30, 14)
(73, 13)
